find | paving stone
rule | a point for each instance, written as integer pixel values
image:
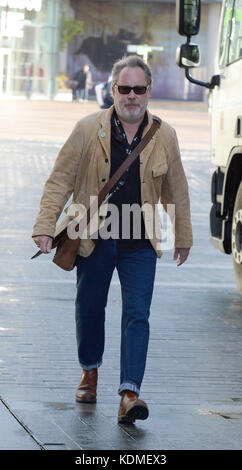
(13, 435)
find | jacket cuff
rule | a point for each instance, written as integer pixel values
(183, 243)
(42, 235)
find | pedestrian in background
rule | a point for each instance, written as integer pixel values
(83, 79)
(79, 80)
(29, 73)
(84, 92)
(96, 148)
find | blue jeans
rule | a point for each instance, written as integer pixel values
(136, 271)
(84, 93)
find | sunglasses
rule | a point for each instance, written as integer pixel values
(138, 90)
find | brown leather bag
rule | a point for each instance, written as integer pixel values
(67, 248)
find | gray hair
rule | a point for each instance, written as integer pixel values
(131, 61)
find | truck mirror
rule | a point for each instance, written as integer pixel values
(188, 17)
(188, 55)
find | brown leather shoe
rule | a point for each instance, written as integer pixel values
(131, 408)
(86, 390)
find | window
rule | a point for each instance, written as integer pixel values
(235, 48)
(29, 35)
(225, 33)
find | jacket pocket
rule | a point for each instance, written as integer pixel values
(159, 170)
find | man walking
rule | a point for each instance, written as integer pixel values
(96, 148)
(84, 89)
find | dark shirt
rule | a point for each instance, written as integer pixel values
(80, 77)
(130, 192)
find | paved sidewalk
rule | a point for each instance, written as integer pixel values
(192, 382)
(48, 121)
(13, 435)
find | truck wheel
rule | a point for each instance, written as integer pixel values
(237, 238)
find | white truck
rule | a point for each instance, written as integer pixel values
(226, 121)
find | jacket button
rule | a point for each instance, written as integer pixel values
(106, 160)
(103, 179)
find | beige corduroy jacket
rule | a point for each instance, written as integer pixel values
(82, 168)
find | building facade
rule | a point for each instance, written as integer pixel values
(110, 26)
(29, 47)
(30, 57)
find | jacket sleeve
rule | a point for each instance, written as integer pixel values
(175, 191)
(59, 185)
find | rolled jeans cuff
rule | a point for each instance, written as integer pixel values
(94, 366)
(128, 386)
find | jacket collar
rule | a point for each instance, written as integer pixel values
(104, 133)
(149, 147)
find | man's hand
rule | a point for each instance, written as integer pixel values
(44, 243)
(180, 254)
